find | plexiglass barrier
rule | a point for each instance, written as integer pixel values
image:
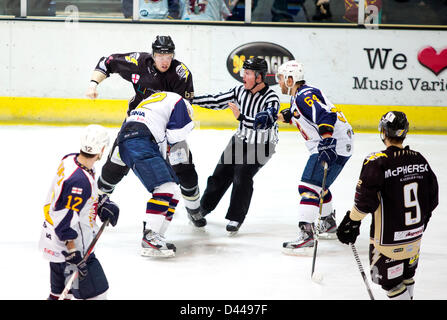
(370, 13)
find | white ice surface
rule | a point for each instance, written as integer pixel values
(208, 265)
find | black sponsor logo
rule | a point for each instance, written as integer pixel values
(274, 54)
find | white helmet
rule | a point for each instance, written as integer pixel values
(291, 68)
(93, 139)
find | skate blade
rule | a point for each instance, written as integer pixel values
(149, 252)
(303, 252)
(232, 233)
(200, 229)
(327, 236)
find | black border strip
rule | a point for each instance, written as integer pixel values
(236, 23)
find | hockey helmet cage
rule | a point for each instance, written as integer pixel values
(93, 139)
(291, 68)
(163, 44)
(394, 124)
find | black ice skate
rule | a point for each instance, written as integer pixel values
(196, 216)
(233, 227)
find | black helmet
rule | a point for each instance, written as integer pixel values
(163, 44)
(394, 124)
(256, 64)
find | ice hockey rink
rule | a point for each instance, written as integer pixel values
(210, 264)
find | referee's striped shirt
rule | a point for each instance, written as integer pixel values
(249, 104)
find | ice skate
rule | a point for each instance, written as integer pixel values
(154, 245)
(304, 244)
(327, 228)
(233, 227)
(196, 216)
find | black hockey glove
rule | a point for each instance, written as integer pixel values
(348, 230)
(265, 119)
(326, 150)
(75, 258)
(287, 114)
(108, 210)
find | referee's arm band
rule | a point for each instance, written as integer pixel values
(241, 117)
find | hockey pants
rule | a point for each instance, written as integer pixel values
(114, 171)
(239, 174)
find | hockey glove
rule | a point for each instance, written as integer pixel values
(265, 119)
(287, 115)
(74, 258)
(326, 150)
(108, 210)
(348, 230)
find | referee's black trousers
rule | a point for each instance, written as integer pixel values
(238, 164)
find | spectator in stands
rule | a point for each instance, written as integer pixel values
(199, 10)
(151, 9)
(280, 11)
(323, 11)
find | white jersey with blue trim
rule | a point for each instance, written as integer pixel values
(168, 117)
(311, 109)
(69, 210)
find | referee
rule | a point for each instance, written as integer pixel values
(255, 106)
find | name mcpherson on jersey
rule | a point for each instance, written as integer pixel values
(412, 168)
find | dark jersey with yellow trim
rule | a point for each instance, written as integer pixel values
(139, 68)
(399, 187)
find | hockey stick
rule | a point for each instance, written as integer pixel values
(362, 272)
(323, 185)
(89, 251)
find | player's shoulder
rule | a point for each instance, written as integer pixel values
(136, 58)
(78, 182)
(307, 92)
(180, 69)
(376, 157)
(177, 63)
(68, 156)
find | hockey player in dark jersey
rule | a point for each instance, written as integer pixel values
(150, 73)
(398, 187)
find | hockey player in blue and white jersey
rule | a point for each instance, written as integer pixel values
(329, 138)
(159, 121)
(70, 219)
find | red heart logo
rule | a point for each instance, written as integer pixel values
(434, 61)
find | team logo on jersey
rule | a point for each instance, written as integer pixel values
(135, 77)
(273, 54)
(182, 71)
(76, 190)
(375, 156)
(133, 58)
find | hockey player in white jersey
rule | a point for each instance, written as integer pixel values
(159, 121)
(70, 219)
(329, 138)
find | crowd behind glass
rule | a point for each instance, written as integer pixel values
(408, 12)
